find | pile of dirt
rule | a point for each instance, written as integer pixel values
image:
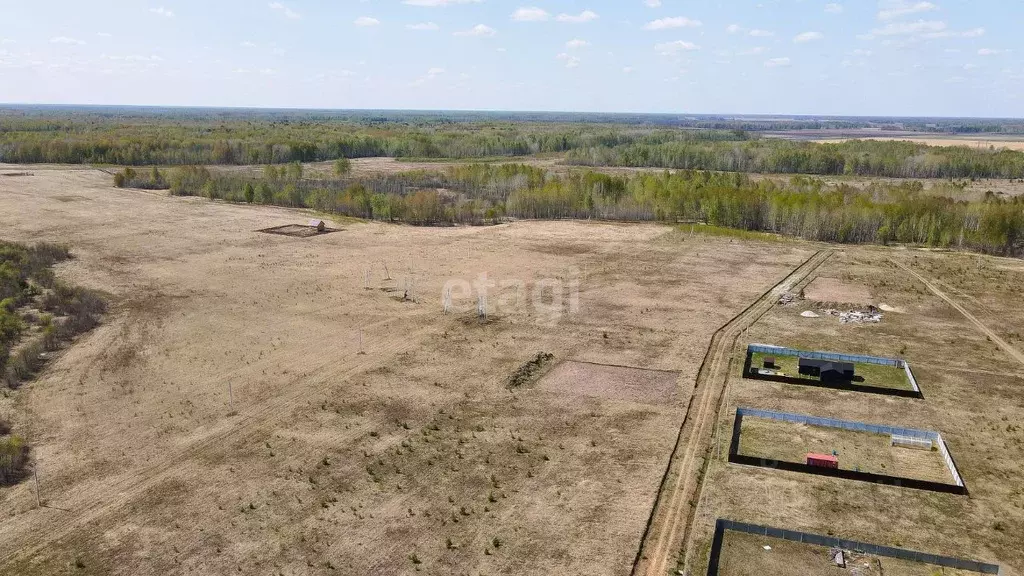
(529, 371)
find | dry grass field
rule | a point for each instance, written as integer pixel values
(791, 442)
(972, 395)
(745, 555)
(263, 404)
(995, 142)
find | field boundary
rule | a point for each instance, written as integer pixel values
(721, 525)
(1013, 352)
(670, 523)
(914, 392)
(899, 481)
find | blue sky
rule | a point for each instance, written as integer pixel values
(869, 57)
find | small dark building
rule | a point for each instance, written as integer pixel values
(827, 370)
(769, 362)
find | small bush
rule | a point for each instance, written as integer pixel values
(14, 458)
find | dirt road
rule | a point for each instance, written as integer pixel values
(669, 526)
(1013, 352)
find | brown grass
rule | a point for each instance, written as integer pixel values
(791, 442)
(332, 457)
(972, 396)
(744, 555)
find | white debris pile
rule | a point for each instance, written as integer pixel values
(810, 314)
(788, 298)
(869, 316)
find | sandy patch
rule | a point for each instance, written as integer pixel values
(612, 382)
(835, 290)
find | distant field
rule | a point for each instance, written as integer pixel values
(1014, 144)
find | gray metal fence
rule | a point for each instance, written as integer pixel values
(783, 351)
(830, 541)
(859, 427)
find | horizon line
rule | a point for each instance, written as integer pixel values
(10, 105)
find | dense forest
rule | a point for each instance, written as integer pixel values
(236, 139)
(892, 159)
(804, 207)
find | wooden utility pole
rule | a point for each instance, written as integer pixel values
(35, 478)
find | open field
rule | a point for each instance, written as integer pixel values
(973, 397)
(252, 404)
(258, 403)
(864, 373)
(861, 451)
(745, 555)
(940, 140)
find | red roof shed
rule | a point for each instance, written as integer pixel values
(822, 460)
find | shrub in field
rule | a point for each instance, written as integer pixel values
(14, 458)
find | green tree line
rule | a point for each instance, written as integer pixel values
(803, 207)
(892, 159)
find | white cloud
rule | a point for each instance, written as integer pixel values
(570, 60)
(972, 33)
(808, 37)
(422, 26)
(366, 21)
(991, 51)
(438, 3)
(672, 48)
(627, 70)
(430, 75)
(956, 80)
(910, 28)
(833, 8)
(676, 22)
(481, 30)
(970, 66)
(861, 52)
(761, 33)
(6, 41)
(530, 14)
(247, 44)
(66, 40)
(288, 12)
(753, 51)
(104, 34)
(162, 12)
(776, 62)
(585, 16)
(576, 43)
(652, 3)
(733, 28)
(898, 8)
(268, 71)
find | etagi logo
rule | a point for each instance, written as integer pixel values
(549, 299)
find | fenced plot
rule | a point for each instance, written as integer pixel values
(740, 549)
(872, 374)
(863, 451)
(298, 231)
(612, 382)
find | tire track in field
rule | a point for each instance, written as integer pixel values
(250, 423)
(1013, 352)
(672, 516)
